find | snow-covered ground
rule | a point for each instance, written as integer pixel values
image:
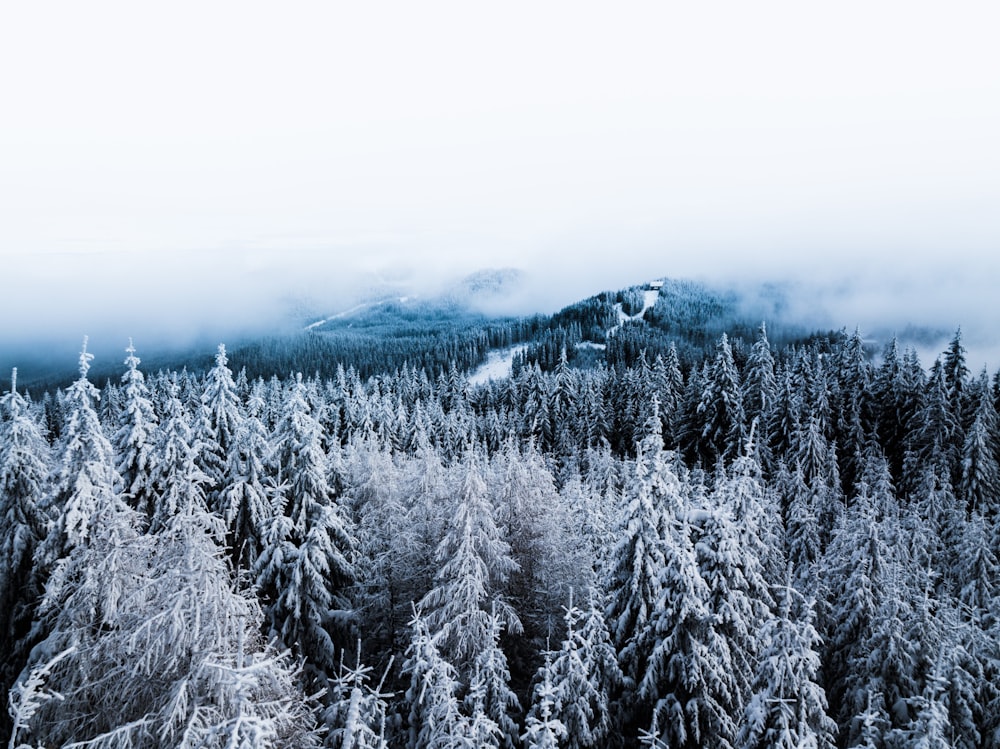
(354, 310)
(498, 365)
(648, 301)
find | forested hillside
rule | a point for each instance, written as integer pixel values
(706, 539)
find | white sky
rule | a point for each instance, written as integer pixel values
(150, 149)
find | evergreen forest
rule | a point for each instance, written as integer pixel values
(695, 530)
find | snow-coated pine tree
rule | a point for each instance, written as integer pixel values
(720, 409)
(134, 442)
(84, 480)
(651, 495)
(585, 676)
(247, 500)
(787, 709)
(306, 571)
(174, 474)
(358, 710)
(543, 730)
(980, 486)
(219, 420)
(24, 456)
(475, 562)
(492, 695)
(435, 718)
(164, 644)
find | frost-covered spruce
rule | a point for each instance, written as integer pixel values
(638, 557)
(585, 676)
(165, 652)
(83, 482)
(24, 454)
(356, 717)
(220, 418)
(435, 719)
(134, 442)
(177, 480)
(246, 502)
(474, 563)
(787, 709)
(542, 729)
(306, 569)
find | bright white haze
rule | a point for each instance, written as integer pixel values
(185, 166)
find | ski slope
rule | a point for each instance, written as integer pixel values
(497, 366)
(648, 301)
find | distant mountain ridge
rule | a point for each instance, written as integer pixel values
(395, 325)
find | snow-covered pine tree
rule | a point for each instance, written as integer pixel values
(84, 482)
(737, 597)
(760, 391)
(174, 474)
(690, 680)
(980, 486)
(24, 456)
(435, 719)
(247, 501)
(857, 563)
(166, 652)
(543, 730)
(306, 572)
(135, 439)
(638, 558)
(584, 673)
(358, 710)
(931, 728)
(474, 564)
(720, 409)
(492, 695)
(787, 709)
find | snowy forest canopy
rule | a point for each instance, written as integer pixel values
(693, 543)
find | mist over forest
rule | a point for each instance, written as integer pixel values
(646, 519)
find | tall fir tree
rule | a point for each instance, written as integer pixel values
(24, 454)
(134, 440)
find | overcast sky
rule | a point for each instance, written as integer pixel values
(238, 151)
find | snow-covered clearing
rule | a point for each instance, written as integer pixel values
(649, 297)
(498, 365)
(353, 310)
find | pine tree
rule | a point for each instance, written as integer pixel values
(931, 728)
(176, 479)
(84, 480)
(23, 468)
(760, 390)
(738, 599)
(720, 409)
(474, 563)
(435, 719)
(584, 675)
(165, 649)
(542, 729)
(358, 711)
(306, 570)
(653, 492)
(134, 440)
(690, 679)
(247, 502)
(490, 695)
(980, 485)
(788, 706)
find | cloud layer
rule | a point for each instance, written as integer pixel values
(186, 169)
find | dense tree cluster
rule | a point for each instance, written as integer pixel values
(737, 547)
